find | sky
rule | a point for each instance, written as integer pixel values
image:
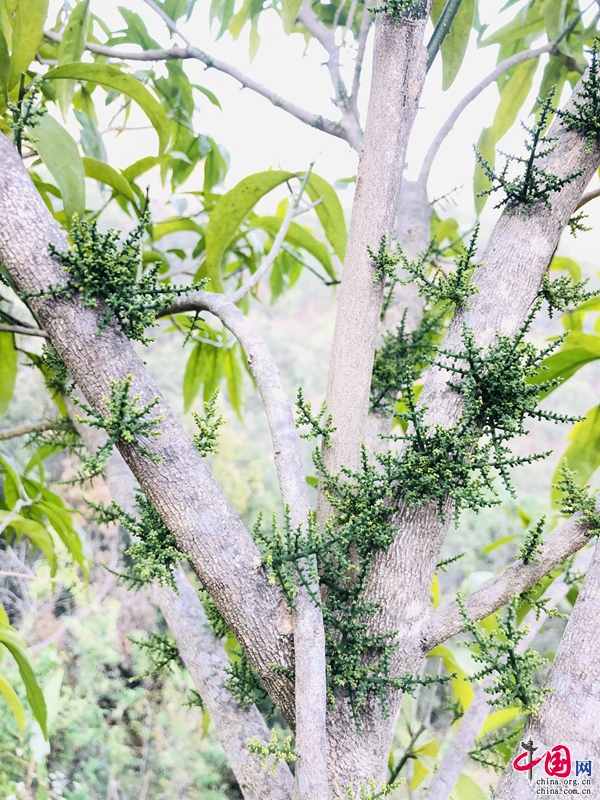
(259, 136)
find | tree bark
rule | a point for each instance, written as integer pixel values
(513, 264)
(180, 487)
(202, 653)
(570, 714)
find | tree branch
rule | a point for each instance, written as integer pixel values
(179, 484)
(569, 714)
(191, 52)
(291, 212)
(363, 35)
(309, 635)
(27, 427)
(25, 330)
(516, 579)
(587, 198)
(502, 67)
(202, 653)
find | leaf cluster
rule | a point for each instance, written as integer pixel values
(513, 672)
(403, 353)
(358, 661)
(154, 551)
(454, 288)
(535, 184)
(207, 439)
(494, 750)
(320, 425)
(162, 652)
(104, 274)
(563, 293)
(401, 10)
(586, 117)
(280, 752)
(576, 499)
(531, 548)
(124, 421)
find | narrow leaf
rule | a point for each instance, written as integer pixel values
(58, 151)
(100, 171)
(330, 213)
(8, 369)
(11, 697)
(70, 49)
(112, 77)
(289, 12)
(231, 210)
(28, 30)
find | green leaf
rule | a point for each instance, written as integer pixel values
(497, 719)
(9, 694)
(228, 214)
(194, 374)
(453, 662)
(58, 151)
(100, 171)
(12, 641)
(35, 532)
(27, 33)
(455, 44)
(8, 369)
(289, 12)
(518, 28)
(112, 77)
(298, 237)
(174, 226)
(514, 89)
(486, 144)
(329, 212)
(579, 349)
(465, 788)
(210, 95)
(4, 63)
(234, 377)
(70, 49)
(138, 168)
(498, 543)
(91, 139)
(583, 453)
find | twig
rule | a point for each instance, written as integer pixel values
(27, 427)
(502, 67)
(23, 329)
(191, 52)
(408, 753)
(519, 577)
(275, 248)
(587, 197)
(363, 35)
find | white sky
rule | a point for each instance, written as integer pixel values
(259, 136)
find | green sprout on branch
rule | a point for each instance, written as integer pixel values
(454, 288)
(585, 118)
(108, 275)
(532, 546)
(319, 425)
(207, 439)
(162, 652)
(280, 752)
(370, 791)
(512, 672)
(154, 550)
(576, 499)
(400, 11)
(563, 293)
(123, 422)
(535, 184)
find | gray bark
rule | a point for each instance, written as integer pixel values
(202, 653)
(309, 634)
(570, 714)
(180, 487)
(513, 263)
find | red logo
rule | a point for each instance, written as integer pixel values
(557, 760)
